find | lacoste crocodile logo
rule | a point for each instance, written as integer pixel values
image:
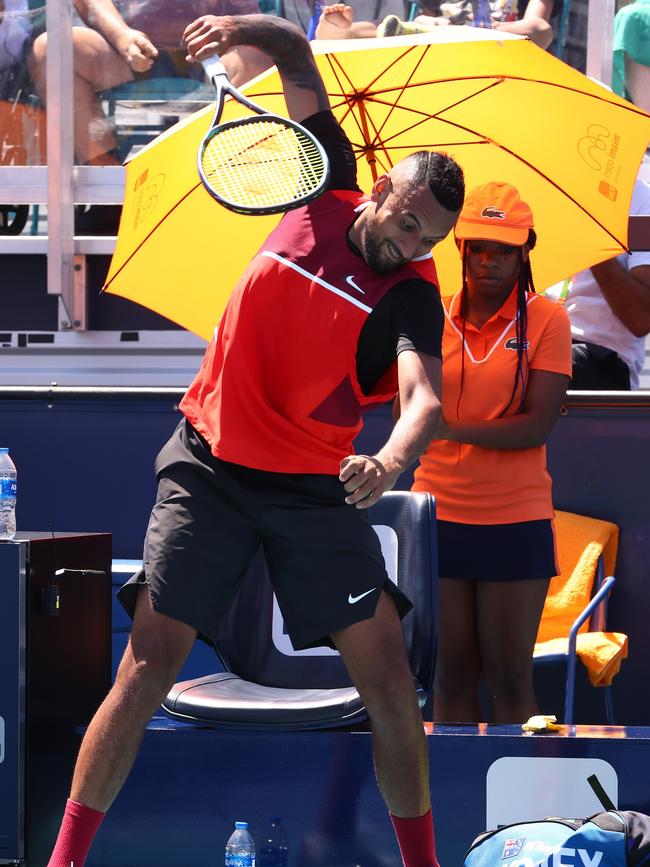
(513, 344)
(493, 213)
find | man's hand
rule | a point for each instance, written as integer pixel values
(137, 49)
(208, 35)
(278, 39)
(365, 479)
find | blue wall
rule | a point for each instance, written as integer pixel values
(85, 463)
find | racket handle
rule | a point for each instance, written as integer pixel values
(213, 67)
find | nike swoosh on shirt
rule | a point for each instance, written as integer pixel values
(350, 281)
(352, 599)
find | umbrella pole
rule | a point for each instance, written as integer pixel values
(368, 150)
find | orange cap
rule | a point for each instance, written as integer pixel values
(495, 212)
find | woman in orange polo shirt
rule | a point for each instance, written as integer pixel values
(507, 364)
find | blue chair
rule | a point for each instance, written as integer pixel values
(266, 685)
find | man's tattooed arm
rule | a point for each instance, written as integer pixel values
(281, 40)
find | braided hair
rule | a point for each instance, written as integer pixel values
(525, 284)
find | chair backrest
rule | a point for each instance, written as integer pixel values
(582, 544)
(254, 646)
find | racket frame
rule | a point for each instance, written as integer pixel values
(217, 74)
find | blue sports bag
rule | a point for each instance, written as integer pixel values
(611, 839)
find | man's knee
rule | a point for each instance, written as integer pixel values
(390, 695)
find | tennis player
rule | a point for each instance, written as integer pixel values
(338, 310)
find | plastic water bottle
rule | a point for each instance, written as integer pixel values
(274, 849)
(240, 848)
(482, 13)
(7, 496)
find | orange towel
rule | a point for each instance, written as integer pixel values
(601, 653)
(581, 541)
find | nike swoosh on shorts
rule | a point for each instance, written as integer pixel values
(353, 599)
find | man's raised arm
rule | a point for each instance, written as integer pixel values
(282, 41)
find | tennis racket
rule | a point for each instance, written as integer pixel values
(260, 164)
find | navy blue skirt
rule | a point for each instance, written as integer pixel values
(496, 552)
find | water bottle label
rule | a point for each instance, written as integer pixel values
(8, 488)
(240, 860)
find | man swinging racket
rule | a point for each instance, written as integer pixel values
(333, 314)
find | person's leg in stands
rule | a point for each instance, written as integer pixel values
(508, 620)
(375, 656)
(97, 66)
(337, 22)
(458, 660)
(157, 649)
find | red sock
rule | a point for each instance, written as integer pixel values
(415, 838)
(78, 828)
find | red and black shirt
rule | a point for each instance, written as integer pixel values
(310, 335)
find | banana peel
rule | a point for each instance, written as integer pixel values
(540, 724)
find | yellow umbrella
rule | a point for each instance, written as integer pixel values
(506, 109)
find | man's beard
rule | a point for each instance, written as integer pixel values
(371, 252)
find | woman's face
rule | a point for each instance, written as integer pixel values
(492, 267)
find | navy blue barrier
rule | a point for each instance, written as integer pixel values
(85, 463)
(323, 786)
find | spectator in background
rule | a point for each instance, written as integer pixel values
(305, 13)
(337, 21)
(15, 30)
(631, 53)
(21, 141)
(609, 304)
(507, 362)
(609, 309)
(126, 41)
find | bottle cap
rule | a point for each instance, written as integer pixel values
(241, 826)
(2, 449)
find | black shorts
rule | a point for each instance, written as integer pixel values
(210, 518)
(497, 552)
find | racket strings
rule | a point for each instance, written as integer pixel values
(262, 164)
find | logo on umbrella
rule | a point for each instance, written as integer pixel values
(147, 193)
(593, 145)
